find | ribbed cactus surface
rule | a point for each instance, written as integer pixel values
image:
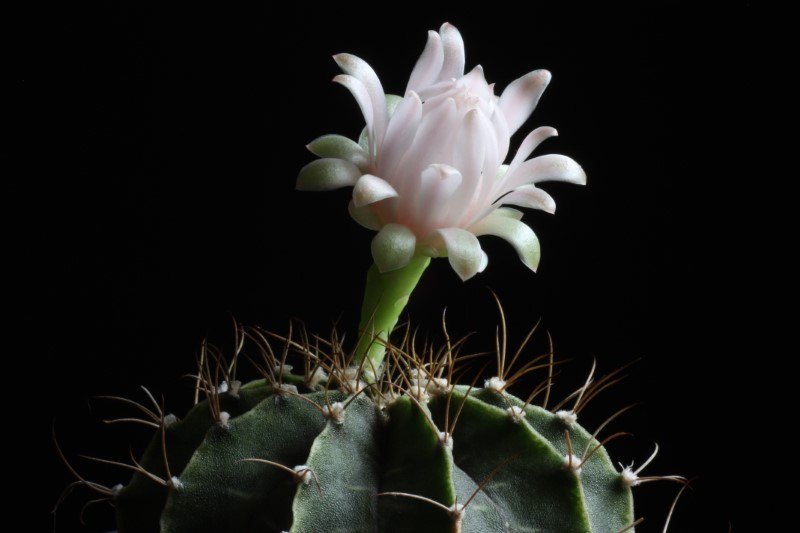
(279, 455)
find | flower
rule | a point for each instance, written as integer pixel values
(428, 173)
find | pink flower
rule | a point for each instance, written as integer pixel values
(428, 173)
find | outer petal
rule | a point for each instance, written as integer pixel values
(393, 247)
(365, 103)
(529, 144)
(429, 64)
(340, 147)
(355, 66)
(530, 196)
(453, 66)
(464, 251)
(515, 232)
(370, 189)
(327, 174)
(400, 133)
(521, 96)
(550, 167)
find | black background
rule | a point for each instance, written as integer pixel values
(172, 138)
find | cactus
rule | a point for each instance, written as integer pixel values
(406, 451)
(381, 439)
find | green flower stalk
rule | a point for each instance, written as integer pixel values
(428, 174)
(385, 298)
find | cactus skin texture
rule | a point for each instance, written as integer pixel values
(378, 467)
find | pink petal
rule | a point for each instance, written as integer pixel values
(360, 93)
(501, 133)
(400, 133)
(438, 183)
(550, 167)
(357, 67)
(474, 140)
(475, 82)
(532, 197)
(429, 64)
(453, 66)
(521, 96)
(432, 141)
(491, 158)
(529, 144)
(471, 146)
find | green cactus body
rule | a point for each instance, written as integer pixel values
(457, 460)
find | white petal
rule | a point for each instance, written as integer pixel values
(370, 189)
(491, 158)
(472, 142)
(530, 196)
(327, 174)
(475, 82)
(550, 167)
(429, 64)
(365, 216)
(355, 66)
(360, 93)
(475, 146)
(438, 91)
(501, 134)
(521, 237)
(529, 144)
(432, 144)
(393, 247)
(400, 133)
(521, 96)
(338, 146)
(438, 183)
(453, 44)
(464, 251)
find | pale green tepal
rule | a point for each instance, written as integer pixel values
(377, 444)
